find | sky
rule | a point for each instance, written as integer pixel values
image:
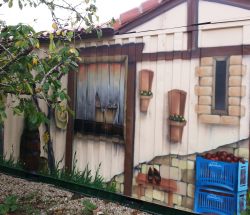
(39, 18)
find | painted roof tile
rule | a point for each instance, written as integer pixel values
(134, 13)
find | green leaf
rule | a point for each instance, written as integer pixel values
(46, 87)
(17, 111)
(10, 4)
(20, 4)
(52, 46)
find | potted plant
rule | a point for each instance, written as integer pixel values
(145, 97)
(146, 79)
(176, 123)
(176, 109)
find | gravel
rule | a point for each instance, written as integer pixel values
(40, 198)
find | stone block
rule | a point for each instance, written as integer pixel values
(144, 168)
(188, 176)
(203, 91)
(149, 193)
(212, 119)
(192, 157)
(175, 173)
(134, 190)
(206, 81)
(122, 188)
(134, 181)
(134, 196)
(234, 100)
(183, 164)
(190, 190)
(118, 187)
(158, 195)
(166, 197)
(227, 149)
(235, 60)
(177, 199)
(243, 144)
(236, 110)
(207, 61)
(119, 178)
(164, 160)
(234, 81)
(242, 152)
(237, 70)
(190, 164)
(181, 188)
(165, 171)
(203, 109)
(175, 162)
(205, 100)
(237, 91)
(143, 198)
(159, 202)
(186, 164)
(204, 71)
(187, 202)
(230, 120)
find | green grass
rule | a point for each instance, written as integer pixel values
(88, 207)
(85, 177)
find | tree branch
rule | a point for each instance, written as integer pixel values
(23, 53)
(50, 72)
(7, 51)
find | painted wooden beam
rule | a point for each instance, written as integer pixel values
(192, 21)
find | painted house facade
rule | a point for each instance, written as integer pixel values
(164, 60)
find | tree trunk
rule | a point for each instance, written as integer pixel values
(51, 157)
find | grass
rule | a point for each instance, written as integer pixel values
(9, 205)
(88, 207)
(85, 177)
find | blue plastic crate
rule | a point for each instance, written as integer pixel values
(230, 176)
(219, 202)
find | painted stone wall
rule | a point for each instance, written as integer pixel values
(179, 170)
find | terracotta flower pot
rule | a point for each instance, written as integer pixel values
(144, 103)
(175, 130)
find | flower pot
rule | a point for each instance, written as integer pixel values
(175, 130)
(144, 103)
(176, 101)
(146, 80)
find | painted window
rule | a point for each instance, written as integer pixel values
(220, 86)
(101, 97)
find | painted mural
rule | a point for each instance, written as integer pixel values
(162, 106)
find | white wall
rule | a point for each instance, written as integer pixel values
(176, 17)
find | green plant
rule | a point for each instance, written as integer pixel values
(10, 204)
(177, 118)
(88, 207)
(146, 93)
(247, 211)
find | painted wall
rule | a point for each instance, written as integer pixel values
(151, 133)
(176, 17)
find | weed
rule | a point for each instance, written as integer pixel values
(10, 204)
(88, 207)
(84, 177)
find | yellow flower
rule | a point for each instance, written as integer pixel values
(46, 137)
